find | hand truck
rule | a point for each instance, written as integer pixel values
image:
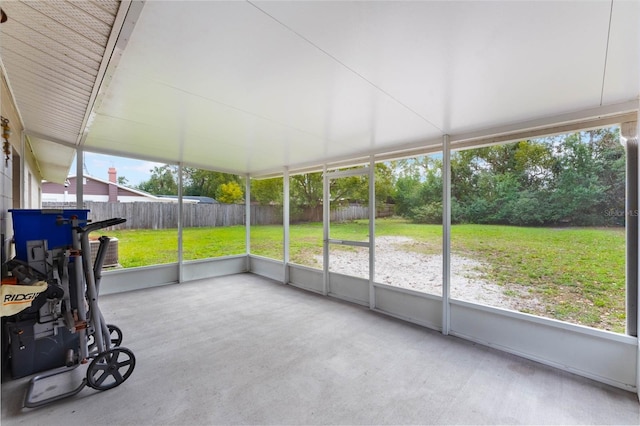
(99, 343)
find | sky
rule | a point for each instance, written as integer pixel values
(97, 165)
(136, 171)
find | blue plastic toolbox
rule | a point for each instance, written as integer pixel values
(43, 224)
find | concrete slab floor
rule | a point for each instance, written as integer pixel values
(243, 349)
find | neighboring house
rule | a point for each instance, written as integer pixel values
(96, 189)
(194, 198)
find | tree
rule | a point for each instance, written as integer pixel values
(611, 158)
(123, 181)
(534, 162)
(267, 191)
(578, 190)
(407, 194)
(385, 182)
(163, 181)
(573, 188)
(206, 182)
(418, 194)
(565, 179)
(229, 193)
(350, 189)
(306, 190)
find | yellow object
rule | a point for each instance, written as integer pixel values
(15, 298)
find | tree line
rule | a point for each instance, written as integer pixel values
(224, 187)
(574, 179)
(305, 189)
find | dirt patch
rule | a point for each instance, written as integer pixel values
(397, 266)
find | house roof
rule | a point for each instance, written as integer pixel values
(196, 198)
(122, 187)
(254, 87)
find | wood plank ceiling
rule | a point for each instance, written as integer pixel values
(52, 52)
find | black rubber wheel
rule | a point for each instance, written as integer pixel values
(115, 334)
(115, 338)
(110, 368)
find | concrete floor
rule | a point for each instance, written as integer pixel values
(246, 350)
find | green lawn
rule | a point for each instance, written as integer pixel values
(577, 273)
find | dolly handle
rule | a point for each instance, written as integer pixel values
(94, 226)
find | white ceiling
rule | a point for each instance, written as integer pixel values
(253, 87)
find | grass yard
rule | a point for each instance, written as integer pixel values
(578, 274)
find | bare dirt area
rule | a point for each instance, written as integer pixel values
(422, 272)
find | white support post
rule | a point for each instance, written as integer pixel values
(285, 223)
(629, 139)
(79, 178)
(247, 207)
(325, 231)
(629, 132)
(446, 234)
(372, 232)
(180, 213)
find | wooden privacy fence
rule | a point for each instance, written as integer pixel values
(165, 215)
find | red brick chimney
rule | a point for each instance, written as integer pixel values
(113, 189)
(112, 175)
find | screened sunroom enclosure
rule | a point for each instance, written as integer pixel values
(589, 351)
(338, 90)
